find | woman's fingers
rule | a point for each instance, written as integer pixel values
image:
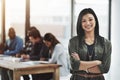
(75, 56)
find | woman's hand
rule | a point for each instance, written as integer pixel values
(24, 56)
(98, 62)
(75, 56)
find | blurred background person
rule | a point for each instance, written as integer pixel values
(39, 52)
(57, 53)
(13, 46)
(27, 49)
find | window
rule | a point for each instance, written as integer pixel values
(15, 16)
(52, 16)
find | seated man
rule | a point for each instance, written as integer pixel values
(12, 46)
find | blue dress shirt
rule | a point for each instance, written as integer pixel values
(14, 46)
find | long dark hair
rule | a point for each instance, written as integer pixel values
(51, 38)
(28, 31)
(80, 31)
(35, 33)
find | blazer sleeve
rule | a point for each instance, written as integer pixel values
(75, 64)
(106, 60)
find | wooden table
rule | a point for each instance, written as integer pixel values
(19, 69)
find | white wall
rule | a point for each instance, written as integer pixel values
(115, 38)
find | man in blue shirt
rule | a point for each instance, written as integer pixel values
(13, 46)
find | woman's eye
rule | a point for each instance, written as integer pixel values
(90, 19)
(83, 21)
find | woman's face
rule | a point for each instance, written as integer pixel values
(34, 40)
(88, 22)
(48, 43)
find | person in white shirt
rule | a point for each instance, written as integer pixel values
(57, 53)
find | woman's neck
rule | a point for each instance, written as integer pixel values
(89, 38)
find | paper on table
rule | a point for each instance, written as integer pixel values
(13, 59)
(35, 62)
(2, 56)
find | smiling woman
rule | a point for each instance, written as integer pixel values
(101, 8)
(88, 22)
(90, 52)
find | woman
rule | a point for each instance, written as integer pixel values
(27, 49)
(90, 53)
(38, 52)
(57, 53)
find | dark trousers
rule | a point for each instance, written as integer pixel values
(43, 76)
(4, 74)
(26, 77)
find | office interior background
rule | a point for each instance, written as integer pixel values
(59, 17)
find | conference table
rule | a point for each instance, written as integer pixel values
(30, 67)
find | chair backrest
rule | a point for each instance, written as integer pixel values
(2, 46)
